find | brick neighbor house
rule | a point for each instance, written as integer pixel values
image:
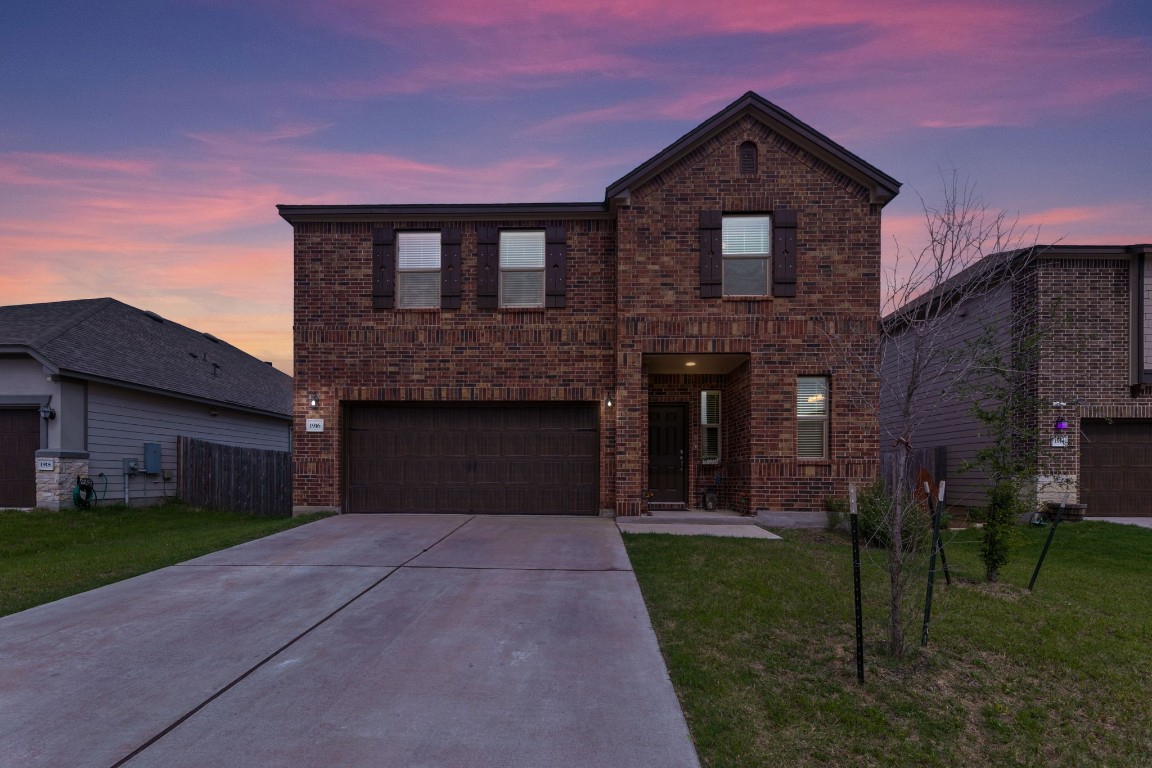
(1088, 308)
(579, 358)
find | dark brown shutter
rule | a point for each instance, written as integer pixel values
(487, 267)
(383, 268)
(556, 266)
(784, 253)
(711, 254)
(450, 268)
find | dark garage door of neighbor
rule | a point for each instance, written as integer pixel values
(475, 459)
(1116, 468)
(19, 441)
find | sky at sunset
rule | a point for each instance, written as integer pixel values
(144, 144)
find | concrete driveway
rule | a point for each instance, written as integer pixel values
(354, 641)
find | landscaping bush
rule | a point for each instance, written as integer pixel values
(1001, 518)
(876, 507)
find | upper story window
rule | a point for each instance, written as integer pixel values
(522, 268)
(746, 250)
(418, 269)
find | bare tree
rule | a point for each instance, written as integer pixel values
(932, 303)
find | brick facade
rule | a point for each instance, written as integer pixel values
(1087, 362)
(633, 294)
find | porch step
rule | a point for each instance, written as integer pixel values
(690, 517)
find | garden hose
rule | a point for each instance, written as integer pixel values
(84, 494)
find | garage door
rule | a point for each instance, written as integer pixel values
(19, 441)
(477, 459)
(1116, 468)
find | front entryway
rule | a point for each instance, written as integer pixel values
(668, 453)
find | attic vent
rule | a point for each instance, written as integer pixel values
(149, 313)
(748, 153)
(212, 338)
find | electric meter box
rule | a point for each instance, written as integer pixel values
(152, 458)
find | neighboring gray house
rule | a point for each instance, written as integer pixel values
(95, 387)
(1088, 311)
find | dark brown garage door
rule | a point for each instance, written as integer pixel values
(479, 459)
(1116, 468)
(19, 441)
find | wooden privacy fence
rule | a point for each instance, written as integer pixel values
(251, 480)
(935, 460)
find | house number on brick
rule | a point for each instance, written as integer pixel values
(45, 465)
(314, 425)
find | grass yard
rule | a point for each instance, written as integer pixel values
(45, 556)
(759, 640)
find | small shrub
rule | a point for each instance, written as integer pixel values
(836, 511)
(876, 507)
(1000, 527)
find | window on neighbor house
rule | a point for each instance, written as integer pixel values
(710, 426)
(746, 250)
(418, 269)
(812, 417)
(522, 268)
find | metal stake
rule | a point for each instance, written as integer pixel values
(935, 506)
(1048, 543)
(853, 517)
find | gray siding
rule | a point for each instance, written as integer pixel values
(943, 419)
(120, 421)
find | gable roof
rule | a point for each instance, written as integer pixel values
(881, 187)
(108, 341)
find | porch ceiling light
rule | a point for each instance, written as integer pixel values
(691, 363)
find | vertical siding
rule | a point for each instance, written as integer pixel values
(120, 422)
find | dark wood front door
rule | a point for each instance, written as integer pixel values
(19, 440)
(668, 453)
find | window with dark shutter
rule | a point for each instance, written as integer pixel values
(383, 268)
(784, 253)
(711, 254)
(450, 268)
(556, 266)
(418, 270)
(746, 240)
(522, 260)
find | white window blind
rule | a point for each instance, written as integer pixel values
(746, 247)
(418, 269)
(812, 417)
(710, 426)
(522, 268)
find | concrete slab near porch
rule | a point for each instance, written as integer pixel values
(696, 522)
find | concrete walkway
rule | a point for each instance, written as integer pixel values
(353, 641)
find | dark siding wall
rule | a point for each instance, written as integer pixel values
(941, 416)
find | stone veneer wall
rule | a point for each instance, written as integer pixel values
(54, 488)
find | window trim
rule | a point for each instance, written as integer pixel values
(708, 427)
(821, 418)
(541, 270)
(401, 271)
(764, 257)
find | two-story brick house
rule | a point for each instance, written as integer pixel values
(584, 358)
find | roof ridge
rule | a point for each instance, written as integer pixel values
(57, 330)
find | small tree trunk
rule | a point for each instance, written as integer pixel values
(896, 560)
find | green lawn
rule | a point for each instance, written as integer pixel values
(48, 555)
(759, 641)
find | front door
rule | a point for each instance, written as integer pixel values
(667, 453)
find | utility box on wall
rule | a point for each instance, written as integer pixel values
(152, 458)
